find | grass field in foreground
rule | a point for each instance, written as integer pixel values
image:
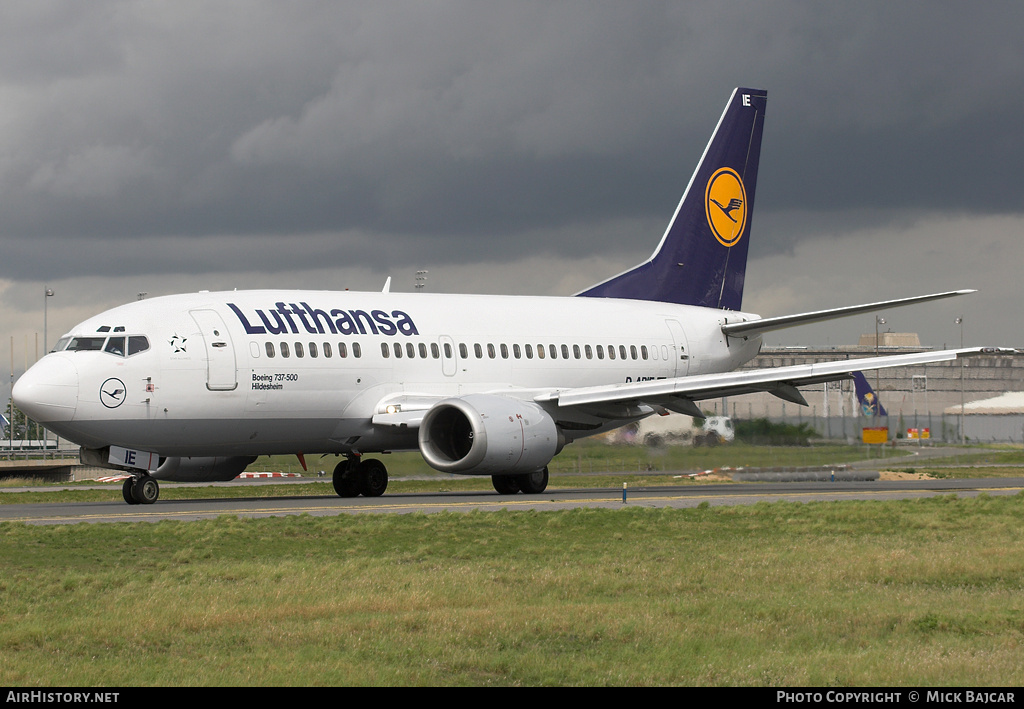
(925, 592)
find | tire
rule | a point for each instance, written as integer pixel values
(146, 490)
(373, 478)
(126, 491)
(345, 480)
(505, 484)
(534, 483)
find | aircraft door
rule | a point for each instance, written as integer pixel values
(449, 361)
(682, 354)
(221, 373)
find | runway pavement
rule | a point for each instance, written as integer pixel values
(552, 499)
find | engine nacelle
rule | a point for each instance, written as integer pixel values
(218, 469)
(485, 434)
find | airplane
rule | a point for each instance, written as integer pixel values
(870, 405)
(196, 386)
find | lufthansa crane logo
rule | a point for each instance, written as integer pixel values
(112, 393)
(725, 202)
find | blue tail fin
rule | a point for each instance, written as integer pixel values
(866, 397)
(702, 257)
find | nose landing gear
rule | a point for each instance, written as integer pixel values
(140, 490)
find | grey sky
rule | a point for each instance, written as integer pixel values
(507, 147)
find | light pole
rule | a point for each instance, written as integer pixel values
(878, 389)
(960, 322)
(47, 293)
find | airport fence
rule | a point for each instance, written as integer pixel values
(921, 428)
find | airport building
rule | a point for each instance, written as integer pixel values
(927, 396)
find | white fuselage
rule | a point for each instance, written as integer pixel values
(268, 372)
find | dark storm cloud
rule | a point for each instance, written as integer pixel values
(267, 135)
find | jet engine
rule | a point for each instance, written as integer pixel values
(486, 434)
(203, 469)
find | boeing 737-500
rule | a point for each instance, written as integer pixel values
(196, 386)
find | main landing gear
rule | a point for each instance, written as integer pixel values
(530, 483)
(354, 477)
(140, 490)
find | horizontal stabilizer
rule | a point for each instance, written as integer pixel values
(753, 327)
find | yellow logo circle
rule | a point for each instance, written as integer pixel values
(725, 203)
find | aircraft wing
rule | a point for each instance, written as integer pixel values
(679, 394)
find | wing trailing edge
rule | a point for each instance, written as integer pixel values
(678, 394)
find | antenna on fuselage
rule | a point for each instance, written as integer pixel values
(387, 285)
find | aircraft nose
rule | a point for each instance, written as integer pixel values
(48, 391)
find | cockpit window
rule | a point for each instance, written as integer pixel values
(136, 344)
(115, 346)
(86, 344)
(119, 346)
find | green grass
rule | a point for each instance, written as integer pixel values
(925, 592)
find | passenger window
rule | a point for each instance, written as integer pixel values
(284, 350)
(447, 351)
(357, 351)
(553, 351)
(478, 351)
(611, 351)
(516, 352)
(298, 350)
(327, 350)
(529, 352)
(463, 351)
(590, 352)
(632, 352)
(423, 350)
(312, 349)
(410, 350)
(643, 351)
(600, 352)
(270, 349)
(385, 350)
(490, 350)
(398, 349)
(540, 351)
(115, 346)
(435, 351)
(342, 350)
(622, 352)
(565, 352)
(576, 351)
(504, 351)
